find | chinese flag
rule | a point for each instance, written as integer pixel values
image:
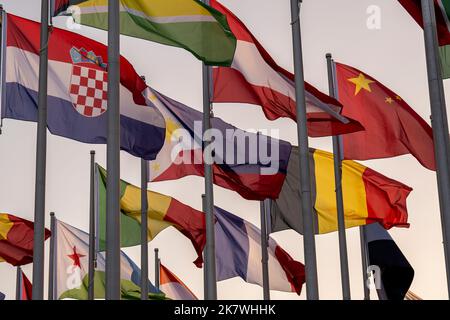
(392, 126)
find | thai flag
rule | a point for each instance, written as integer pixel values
(172, 286)
(238, 254)
(77, 89)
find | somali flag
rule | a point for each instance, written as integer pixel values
(77, 89)
(238, 254)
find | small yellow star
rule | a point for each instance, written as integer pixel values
(389, 100)
(156, 167)
(171, 129)
(361, 82)
(398, 98)
(152, 97)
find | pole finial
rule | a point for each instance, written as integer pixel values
(328, 55)
(92, 152)
(52, 214)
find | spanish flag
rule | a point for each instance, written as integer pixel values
(368, 196)
(16, 239)
(163, 212)
(187, 24)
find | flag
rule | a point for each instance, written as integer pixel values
(2, 296)
(253, 165)
(16, 239)
(77, 89)
(187, 24)
(72, 267)
(396, 272)
(238, 254)
(255, 78)
(26, 288)
(368, 196)
(172, 286)
(393, 128)
(163, 212)
(442, 9)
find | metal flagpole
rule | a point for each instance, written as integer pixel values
(113, 155)
(210, 258)
(264, 253)
(157, 262)
(92, 228)
(51, 265)
(365, 262)
(312, 290)
(19, 283)
(439, 124)
(337, 152)
(144, 230)
(205, 266)
(41, 160)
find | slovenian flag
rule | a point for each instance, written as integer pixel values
(172, 286)
(234, 169)
(77, 89)
(238, 254)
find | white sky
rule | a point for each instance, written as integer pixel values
(394, 55)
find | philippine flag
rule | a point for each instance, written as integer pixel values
(238, 254)
(77, 89)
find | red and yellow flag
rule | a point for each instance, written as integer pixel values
(16, 239)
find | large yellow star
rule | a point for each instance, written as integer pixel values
(171, 127)
(361, 82)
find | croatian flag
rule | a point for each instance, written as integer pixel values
(172, 286)
(256, 174)
(77, 89)
(238, 254)
(255, 78)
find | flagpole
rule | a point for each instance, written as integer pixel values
(205, 266)
(312, 290)
(144, 230)
(92, 228)
(157, 262)
(113, 155)
(18, 283)
(41, 160)
(210, 257)
(264, 253)
(337, 155)
(439, 124)
(51, 264)
(365, 262)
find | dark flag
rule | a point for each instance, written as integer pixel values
(2, 296)
(396, 272)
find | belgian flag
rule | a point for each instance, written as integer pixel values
(368, 196)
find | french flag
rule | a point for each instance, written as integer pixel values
(255, 78)
(172, 286)
(238, 254)
(234, 168)
(77, 89)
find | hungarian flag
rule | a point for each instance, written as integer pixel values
(442, 9)
(163, 212)
(368, 196)
(396, 272)
(255, 78)
(172, 286)
(16, 239)
(253, 165)
(77, 89)
(72, 269)
(239, 254)
(25, 287)
(393, 128)
(187, 24)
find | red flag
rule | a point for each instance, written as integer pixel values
(255, 78)
(393, 128)
(442, 9)
(26, 290)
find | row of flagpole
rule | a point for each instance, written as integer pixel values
(440, 131)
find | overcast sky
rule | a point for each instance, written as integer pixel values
(393, 54)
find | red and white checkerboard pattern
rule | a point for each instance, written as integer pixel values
(89, 91)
